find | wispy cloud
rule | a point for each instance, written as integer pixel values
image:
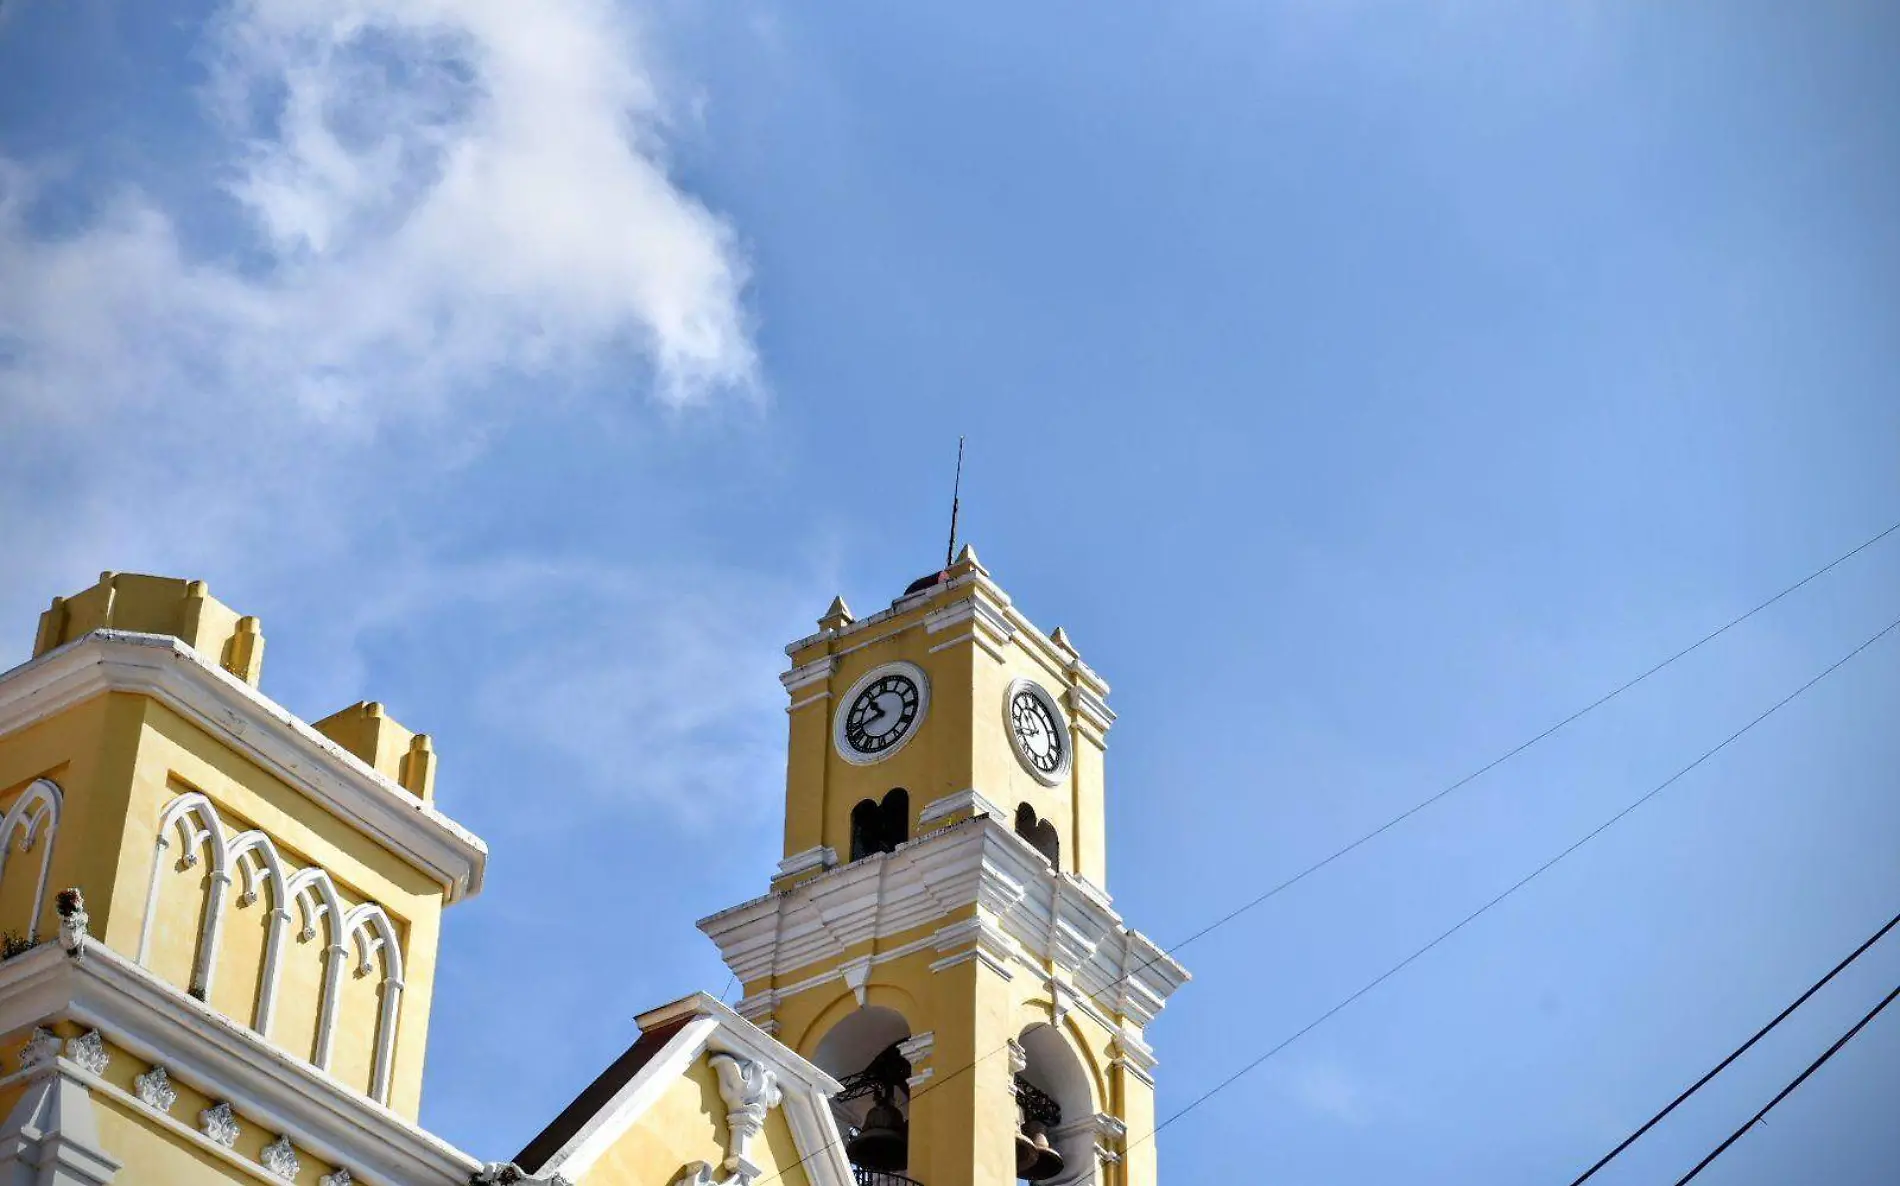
(430, 196)
(422, 219)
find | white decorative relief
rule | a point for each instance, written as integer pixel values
(89, 1051)
(220, 1124)
(41, 1046)
(341, 1177)
(750, 1090)
(253, 858)
(280, 1158)
(155, 1090)
(916, 1051)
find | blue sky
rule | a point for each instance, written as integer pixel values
(1365, 385)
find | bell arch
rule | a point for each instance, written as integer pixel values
(1054, 1065)
(861, 1050)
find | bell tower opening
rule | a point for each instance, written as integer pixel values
(863, 1052)
(880, 826)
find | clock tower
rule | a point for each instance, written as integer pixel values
(939, 935)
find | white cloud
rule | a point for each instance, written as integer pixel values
(431, 196)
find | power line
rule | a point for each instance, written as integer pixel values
(1738, 1052)
(1520, 884)
(1303, 874)
(1785, 1092)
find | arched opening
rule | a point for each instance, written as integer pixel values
(1040, 833)
(873, 1110)
(880, 827)
(1053, 1092)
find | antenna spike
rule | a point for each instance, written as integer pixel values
(956, 491)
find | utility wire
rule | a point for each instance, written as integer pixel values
(1738, 1052)
(1520, 884)
(1789, 1089)
(1303, 874)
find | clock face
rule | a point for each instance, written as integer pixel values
(881, 712)
(1037, 729)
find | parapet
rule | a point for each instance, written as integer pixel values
(374, 736)
(158, 605)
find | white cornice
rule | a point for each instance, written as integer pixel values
(712, 1026)
(154, 1021)
(1027, 914)
(164, 668)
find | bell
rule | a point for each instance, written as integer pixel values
(882, 1143)
(1026, 1154)
(1044, 1162)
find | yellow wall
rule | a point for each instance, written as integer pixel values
(120, 758)
(960, 743)
(963, 1122)
(687, 1124)
(176, 756)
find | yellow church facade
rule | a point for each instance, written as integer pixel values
(220, 925)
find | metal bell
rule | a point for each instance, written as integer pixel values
(882, 1142)
(1045, 1162)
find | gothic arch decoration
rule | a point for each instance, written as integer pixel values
(255, 859)
(258, 863)
(880, 826)
(34, 817)
(199, 828)
(373, 932)
(1040, 833)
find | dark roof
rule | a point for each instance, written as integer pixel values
(925, 582)
(595, 1095)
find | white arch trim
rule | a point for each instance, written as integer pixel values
(198, 825)
(257, 861)
(359, 924)
(254, 857)
(36, 810)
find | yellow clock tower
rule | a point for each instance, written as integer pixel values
(939, 936)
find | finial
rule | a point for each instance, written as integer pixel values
(837, 617)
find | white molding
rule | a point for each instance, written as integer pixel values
(269, 1087)
(815, 672)
(714, 1028)
(970, 799)
(821, 857)
(1028, 916)
(1091, 709)
(167, 670)
(917, 1049)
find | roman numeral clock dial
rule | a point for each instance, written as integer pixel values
(1037, 730)
(881, 712)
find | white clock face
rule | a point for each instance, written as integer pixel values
(1037, 731)
(881, 712)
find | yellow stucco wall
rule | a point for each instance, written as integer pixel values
(118, 760)
(687, 1124)
(964, 1118)
(960, 743)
